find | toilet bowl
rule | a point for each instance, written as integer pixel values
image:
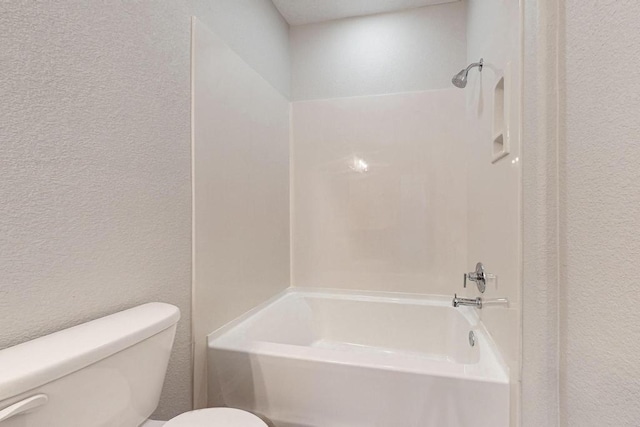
(212, 417)
(107, 372)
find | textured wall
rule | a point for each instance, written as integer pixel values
(600, 216)
(95, 159)
(414, 50)
(582, 199)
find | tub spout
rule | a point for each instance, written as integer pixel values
(473, 302)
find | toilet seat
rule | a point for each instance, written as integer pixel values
(216, 417)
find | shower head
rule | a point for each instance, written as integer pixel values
(460, 79)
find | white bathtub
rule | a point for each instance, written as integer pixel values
(342, 359)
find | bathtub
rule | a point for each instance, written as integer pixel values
(311, 358)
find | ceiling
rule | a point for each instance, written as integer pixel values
(298, 12)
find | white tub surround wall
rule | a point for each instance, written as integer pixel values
(396, 52)
(494, 188)
(378, 188)
(327, 358)
(241, 191)
(542, 133)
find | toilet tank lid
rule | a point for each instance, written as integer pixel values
(45, 359)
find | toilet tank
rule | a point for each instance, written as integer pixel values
(105, 373)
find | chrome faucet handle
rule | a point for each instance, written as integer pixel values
(478, 276)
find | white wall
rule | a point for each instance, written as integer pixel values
(256, 31)
(400, 226)
(494, 216)
(418, 49)
(95, 177)
(581, 335)
(600, 216)
(241, 192)
(541, 263)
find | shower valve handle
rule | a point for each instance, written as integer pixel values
(478, 276)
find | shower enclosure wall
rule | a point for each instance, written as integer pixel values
(398, 180)
(442, 188)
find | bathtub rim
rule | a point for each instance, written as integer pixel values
(500, 369)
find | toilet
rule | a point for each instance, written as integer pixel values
(105, 373)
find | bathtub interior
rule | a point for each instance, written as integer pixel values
(391, 327)
(355, 359)
(423, 327)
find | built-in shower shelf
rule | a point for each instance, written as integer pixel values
(501, 108)
(499, 149)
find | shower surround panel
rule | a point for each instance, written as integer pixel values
(379, 192)
(240, 160)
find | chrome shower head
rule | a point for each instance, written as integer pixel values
(460, 79)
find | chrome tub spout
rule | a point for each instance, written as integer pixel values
(473, 302)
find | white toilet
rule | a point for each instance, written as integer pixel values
(104, 373)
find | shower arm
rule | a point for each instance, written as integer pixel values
(475, 64)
